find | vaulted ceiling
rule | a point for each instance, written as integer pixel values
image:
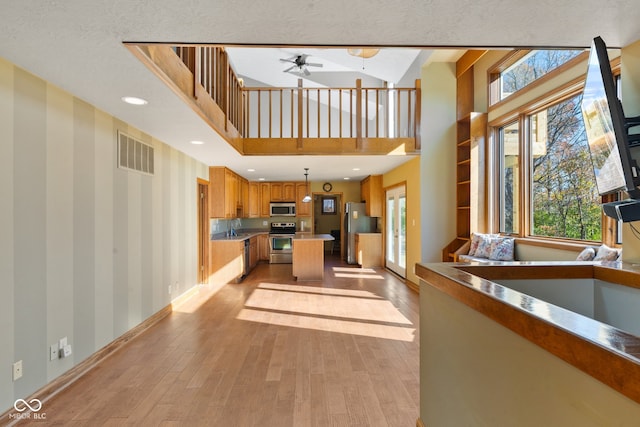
(77, 45)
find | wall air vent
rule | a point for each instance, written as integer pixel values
(134, 154)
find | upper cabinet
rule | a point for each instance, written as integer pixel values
(224, 199)
(232, 196)
(283, 191)
(302, 209)
(371, 194)
(254, 200)
(265, 199)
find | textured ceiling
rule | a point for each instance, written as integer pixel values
(77, 45)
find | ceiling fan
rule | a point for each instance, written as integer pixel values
(300, 62)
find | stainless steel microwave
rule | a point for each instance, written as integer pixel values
(282, 209)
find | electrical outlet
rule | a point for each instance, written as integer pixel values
(54, 353)
(66, 351)
(169, 290)
(17, 370)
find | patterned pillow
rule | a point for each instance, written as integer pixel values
(606, 253)
(484, 246)
(587, 254)
(502, 249)
(475, 241)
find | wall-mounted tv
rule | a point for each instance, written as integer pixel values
(608, 135)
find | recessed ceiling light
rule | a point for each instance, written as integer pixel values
(134, 101)
(346, 178)
(251, 170)
(197, 142)
(260, 179)
(356, 169)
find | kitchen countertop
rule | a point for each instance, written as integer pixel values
(306, 236)
(242, 235)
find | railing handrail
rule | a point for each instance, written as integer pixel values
(393, 112)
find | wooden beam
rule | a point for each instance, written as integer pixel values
(467, 60)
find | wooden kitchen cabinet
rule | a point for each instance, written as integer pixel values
(226, 260)
(253, 252)
(289, 191)
(277, 194)
(254, 200)
(263, 247)
(372, 195)
(369, 249)
(283, 191)
(302, 209)
(243, 197)
(231, 195)
(223, 193)
(265, 199)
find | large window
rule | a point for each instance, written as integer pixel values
(509, 137)
(522, 68)
(545, 185)
(564, 198)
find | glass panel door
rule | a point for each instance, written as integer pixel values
(396, 230)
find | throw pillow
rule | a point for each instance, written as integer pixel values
(484, 247)
(606, 253)
(475, 241)
(587, 254)
(502, 249)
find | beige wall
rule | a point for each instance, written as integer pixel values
(87, 250)
(437, 160)
(409, 174)
(475, 372)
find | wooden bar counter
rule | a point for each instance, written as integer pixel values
(494, 353)
(308, 256)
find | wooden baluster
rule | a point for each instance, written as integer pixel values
(358, 114)
(417, 113)
(300, 114)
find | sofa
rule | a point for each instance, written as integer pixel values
(483, 247)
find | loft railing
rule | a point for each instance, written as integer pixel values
(211, 69)
(330, 112)
(303, 112)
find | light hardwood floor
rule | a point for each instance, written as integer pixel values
(269, 351)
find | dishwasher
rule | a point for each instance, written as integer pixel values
(246, 258)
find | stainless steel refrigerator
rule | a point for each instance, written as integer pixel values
(355, 221)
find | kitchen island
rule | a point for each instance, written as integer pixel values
(308, 255)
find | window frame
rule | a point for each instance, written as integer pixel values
(609, 229)
(510, 59)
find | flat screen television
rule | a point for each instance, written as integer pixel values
(608, 136)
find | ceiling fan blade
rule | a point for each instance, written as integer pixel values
(286, 60)
(313, 64)
(289, 69)
(306, 71)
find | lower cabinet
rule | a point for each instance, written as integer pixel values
(369, 249)
(263, 247)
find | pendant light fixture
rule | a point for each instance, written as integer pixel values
(307, 197)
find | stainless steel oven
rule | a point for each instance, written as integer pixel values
(281, 242)
(280, 249)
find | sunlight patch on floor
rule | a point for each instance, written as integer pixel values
(346, 311)
(353, 270)
(318, 290)
(329, 325)
(358, 276)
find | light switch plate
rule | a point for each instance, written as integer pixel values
(54, 353)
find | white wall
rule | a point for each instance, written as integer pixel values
(437, 173)
(87, 250)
